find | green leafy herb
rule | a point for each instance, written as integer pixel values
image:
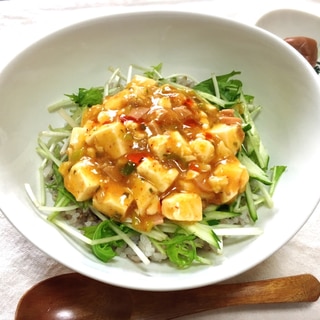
(229, 89)
(87, 97)
(104, 251)
(181, 250)
(128, 168)
(62, 196)
(154, 72)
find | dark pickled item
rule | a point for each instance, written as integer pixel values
(308, 47)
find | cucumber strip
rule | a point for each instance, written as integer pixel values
(277, 171)
(210, 97)
(253, 139)
(265, 195)
(253, 169)
(167, 227)
(211, 207)
(219, 215)
(156, 234)
(250, 203)
(203, 232)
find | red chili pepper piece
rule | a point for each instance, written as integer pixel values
(137, 157)
(194, 166)
(124, 118)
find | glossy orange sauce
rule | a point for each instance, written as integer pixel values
(200, 145)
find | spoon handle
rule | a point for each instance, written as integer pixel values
(169, 305)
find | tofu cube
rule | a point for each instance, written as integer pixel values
(137, 88)
(153, 171)
(115, 102)
(82, 180)
(178, 145)
(142, 81)
(232, 177)
(158, 145)
(231, 135)
(77, 138)
(171, 144)
(187, 186)
(222, 151)
(113, 200)
(112, 139)
(182, 207)
(218, 183)
(145, 196)
(202, 149)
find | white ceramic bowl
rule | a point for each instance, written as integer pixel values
(78, 56)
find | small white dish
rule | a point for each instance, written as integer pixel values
(290, 23)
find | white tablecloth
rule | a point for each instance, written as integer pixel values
(22, 265)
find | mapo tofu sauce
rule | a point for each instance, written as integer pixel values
(154, 151)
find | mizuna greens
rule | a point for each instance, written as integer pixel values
(183, 244)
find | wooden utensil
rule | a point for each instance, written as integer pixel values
(74, 296)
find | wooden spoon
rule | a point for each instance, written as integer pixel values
(73, 296)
